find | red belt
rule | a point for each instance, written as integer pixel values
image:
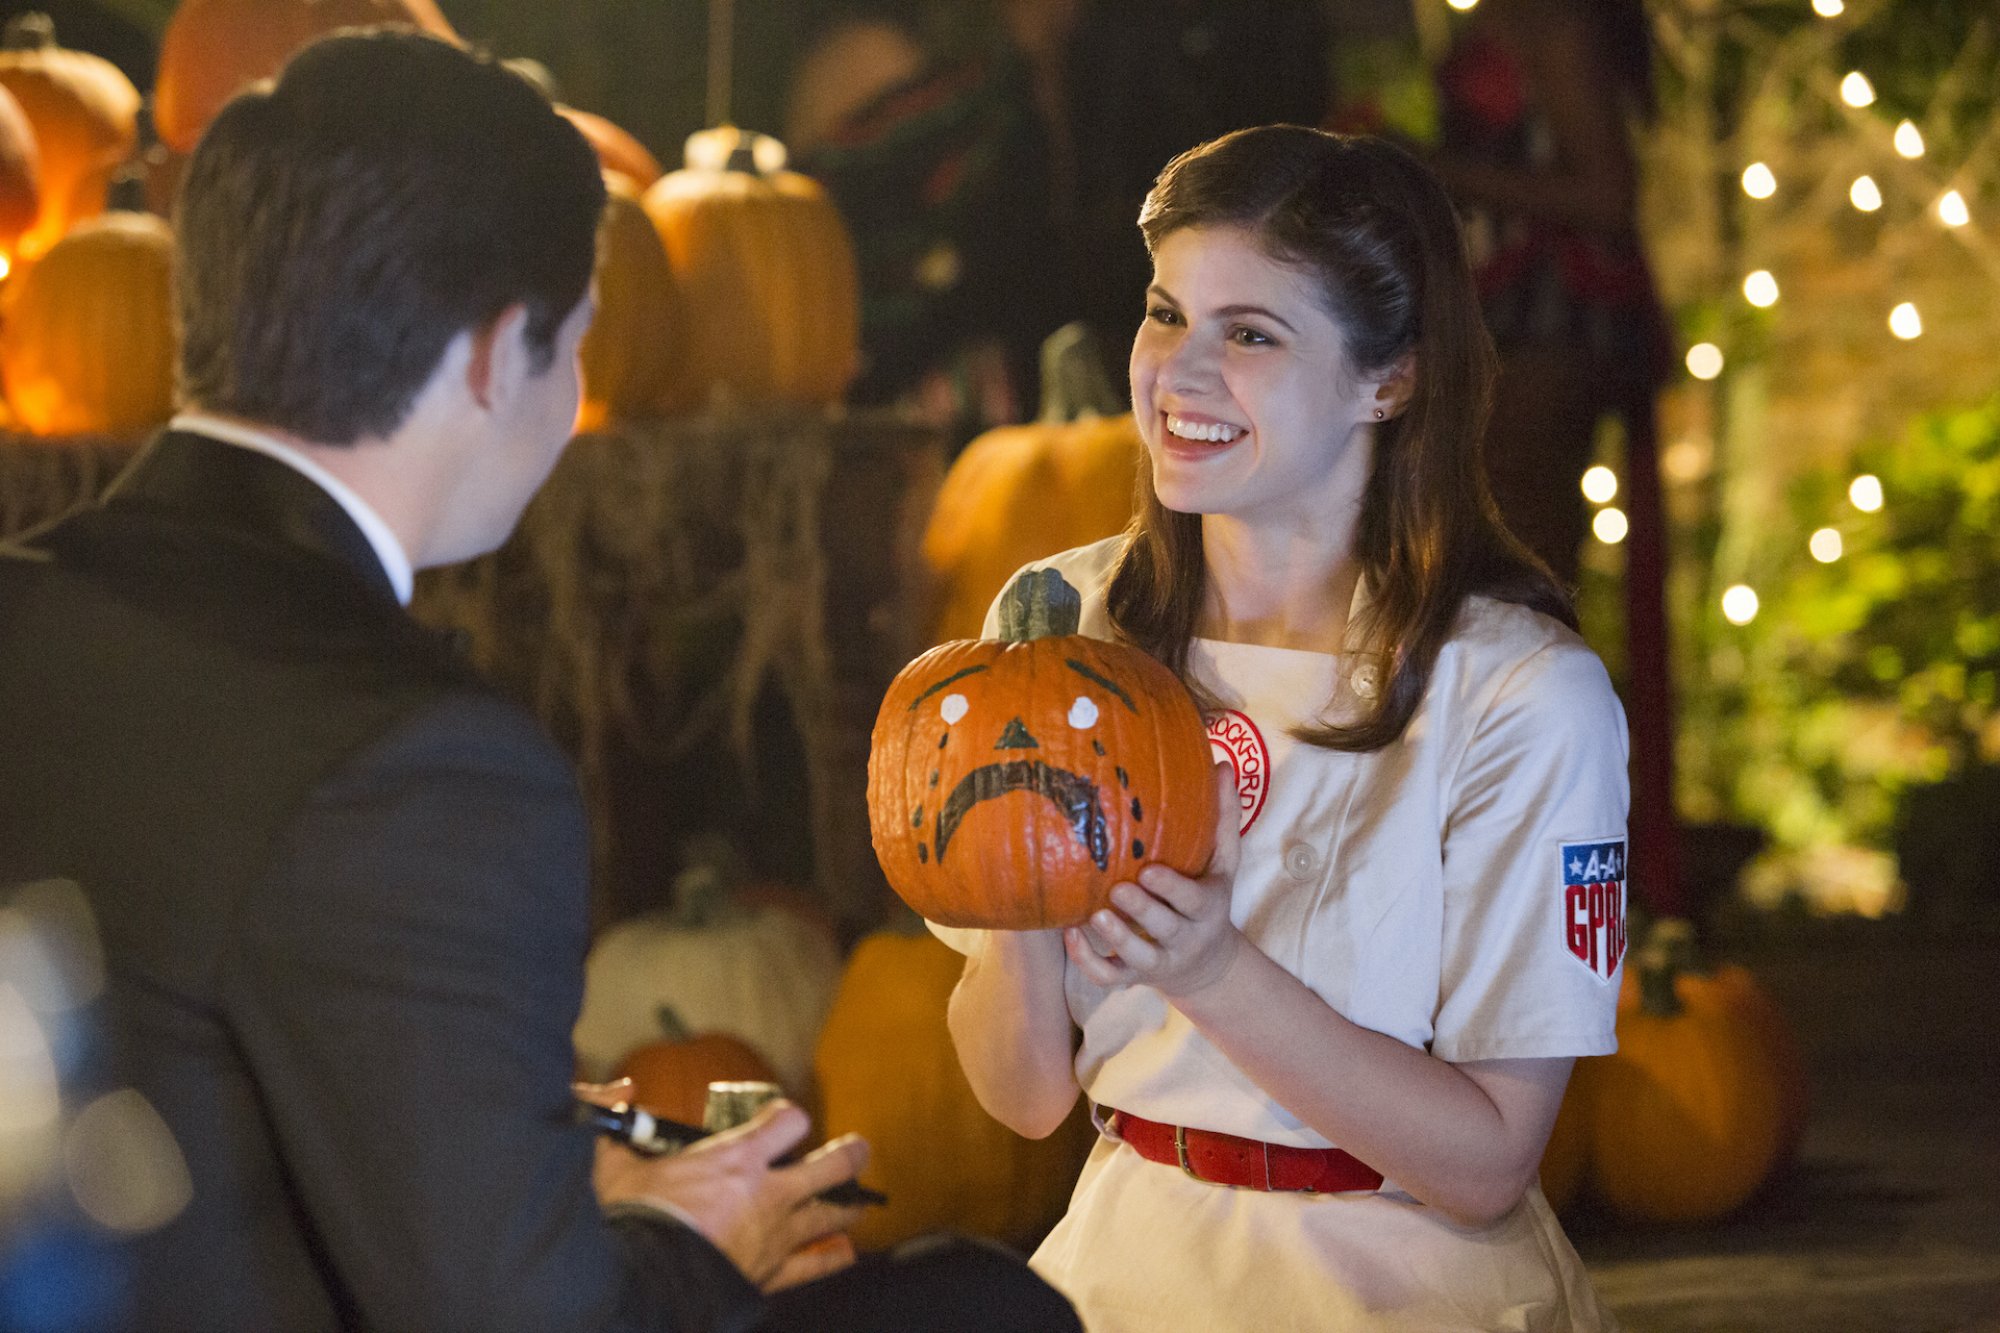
(1224, 1159)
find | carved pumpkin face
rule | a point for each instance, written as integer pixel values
(1012, 782)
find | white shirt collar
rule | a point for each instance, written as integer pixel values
(395, 560)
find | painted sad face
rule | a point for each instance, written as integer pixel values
(1011, 785)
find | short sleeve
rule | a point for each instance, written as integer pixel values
(1534, 868)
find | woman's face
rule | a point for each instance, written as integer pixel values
(1242, 387)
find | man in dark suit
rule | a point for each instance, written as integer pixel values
(340, 882)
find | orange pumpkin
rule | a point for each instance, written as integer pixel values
(766, 270)
(670, 1077)
(887, 1071)
(616, 149)
(86, 330)
(1023, 493)
(1736, 987)
(1011, 783)
(628, 355)
(213, 49)
(20, 177)
(85, 115)
(1685, 1118)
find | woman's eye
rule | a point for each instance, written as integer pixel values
(1246, 336)
(1160, 314)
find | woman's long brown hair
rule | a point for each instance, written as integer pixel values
(1376, 230)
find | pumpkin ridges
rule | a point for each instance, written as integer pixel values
(628, 354)
(86, 342)
(213, 49)
(85, 115)
(1686, 1115)
(20, 174)
(1015, 863)
(769, 280)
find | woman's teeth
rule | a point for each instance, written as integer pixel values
(1211, 433)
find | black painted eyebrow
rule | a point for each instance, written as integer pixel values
(1090, 675)
(956, 675)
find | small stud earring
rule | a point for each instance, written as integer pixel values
(1379, 414)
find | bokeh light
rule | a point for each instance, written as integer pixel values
(1759, 181)
(1704, 361)
(1905, 322)
(1600, 484)
(1909, 140)
(1610, 526)
(1826, 546)
(1865, 194)
(1739, 604)
(1761, 289)
(1855, 90)
(1865, 493)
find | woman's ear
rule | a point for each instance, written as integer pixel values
(1392, 394)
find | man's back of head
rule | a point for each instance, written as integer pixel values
(339, 228)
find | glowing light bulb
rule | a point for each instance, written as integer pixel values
(1761, 289)
(1610, 526)
(1952, 210)
(1905, 322)
(1865, 194)
(1855, 90)
(1740, 605)
(1829, 9)
(1600, 484)
(1704, 361)
(1825, 545)
(1759, 182)
(1865, 493)
(1462, 5)
(1909, 140)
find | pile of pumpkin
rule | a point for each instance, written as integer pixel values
(732, 280)
(744, 982)
(1704, 1103)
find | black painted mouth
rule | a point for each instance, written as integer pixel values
(1075, 796)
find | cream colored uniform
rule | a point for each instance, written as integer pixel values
(1427, 891)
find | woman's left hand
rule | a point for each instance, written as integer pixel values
(1168, 931)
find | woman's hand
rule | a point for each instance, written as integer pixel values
(1168, 931)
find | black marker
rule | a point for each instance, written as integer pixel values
(656, 1136)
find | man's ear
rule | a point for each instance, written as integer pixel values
(499, 356)
(1392, 395)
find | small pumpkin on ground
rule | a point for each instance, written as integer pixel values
(628, 355)
(85, 115)
(1012, 782)
(213, 49)
(1022, 493)
(86, 330)
(1737, 987)
(760, 973)
(887, 1070)
(670, 1076)
(1686, 1117)
(767, 276)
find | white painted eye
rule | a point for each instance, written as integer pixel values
(1083, 713)
(953, 709)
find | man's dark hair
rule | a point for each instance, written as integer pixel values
(338, 229)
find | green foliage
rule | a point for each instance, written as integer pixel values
(1865, 676)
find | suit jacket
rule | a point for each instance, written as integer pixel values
(341, 887)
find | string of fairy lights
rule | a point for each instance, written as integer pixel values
(1706, 360)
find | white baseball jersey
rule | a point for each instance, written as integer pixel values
(1461, 890)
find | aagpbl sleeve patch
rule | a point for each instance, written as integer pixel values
(1593, 904)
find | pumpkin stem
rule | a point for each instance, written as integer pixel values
(1659, 969)
(1039, 604)
(705, 891)
(672, 1026)
(1074, 383)
(29, 32)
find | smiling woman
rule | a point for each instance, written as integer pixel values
(1012, 783)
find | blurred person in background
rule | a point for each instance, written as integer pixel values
(1536, 99)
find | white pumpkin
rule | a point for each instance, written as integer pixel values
(762, 973)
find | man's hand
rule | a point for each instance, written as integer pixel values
(764, 1218)
(1168, 931)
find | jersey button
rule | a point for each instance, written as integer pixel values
(1300, 860)
(1366, 680)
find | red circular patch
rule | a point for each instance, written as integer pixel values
(1233, 736)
